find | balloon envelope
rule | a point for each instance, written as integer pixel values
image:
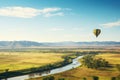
(96, 32)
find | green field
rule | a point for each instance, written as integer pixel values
(24, 60)
(81, 72)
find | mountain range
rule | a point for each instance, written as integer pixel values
(27, 44)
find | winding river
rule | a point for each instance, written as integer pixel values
(75, 63)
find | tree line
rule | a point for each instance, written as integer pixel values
(95, 63)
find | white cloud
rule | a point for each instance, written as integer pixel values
(111, 24)
(47, 10)
(57, 29)
(54, 14)
(27, 12)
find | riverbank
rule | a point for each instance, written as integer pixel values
(75, 63)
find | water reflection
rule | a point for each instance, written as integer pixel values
(32, 75)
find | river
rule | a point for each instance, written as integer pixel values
(75, 63)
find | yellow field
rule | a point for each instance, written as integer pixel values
(23, 60)
(112, 58)
(81, 72)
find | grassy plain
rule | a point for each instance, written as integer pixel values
(24, 60)
(112, 58)
(81, 72)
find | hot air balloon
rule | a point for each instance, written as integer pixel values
(96, 32)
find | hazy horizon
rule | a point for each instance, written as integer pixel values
(55, 41)
(59, 20)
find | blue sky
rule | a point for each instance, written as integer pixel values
(59, 20)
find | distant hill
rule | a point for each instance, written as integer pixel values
(27, 44)
(70, 43)
(19, 44)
